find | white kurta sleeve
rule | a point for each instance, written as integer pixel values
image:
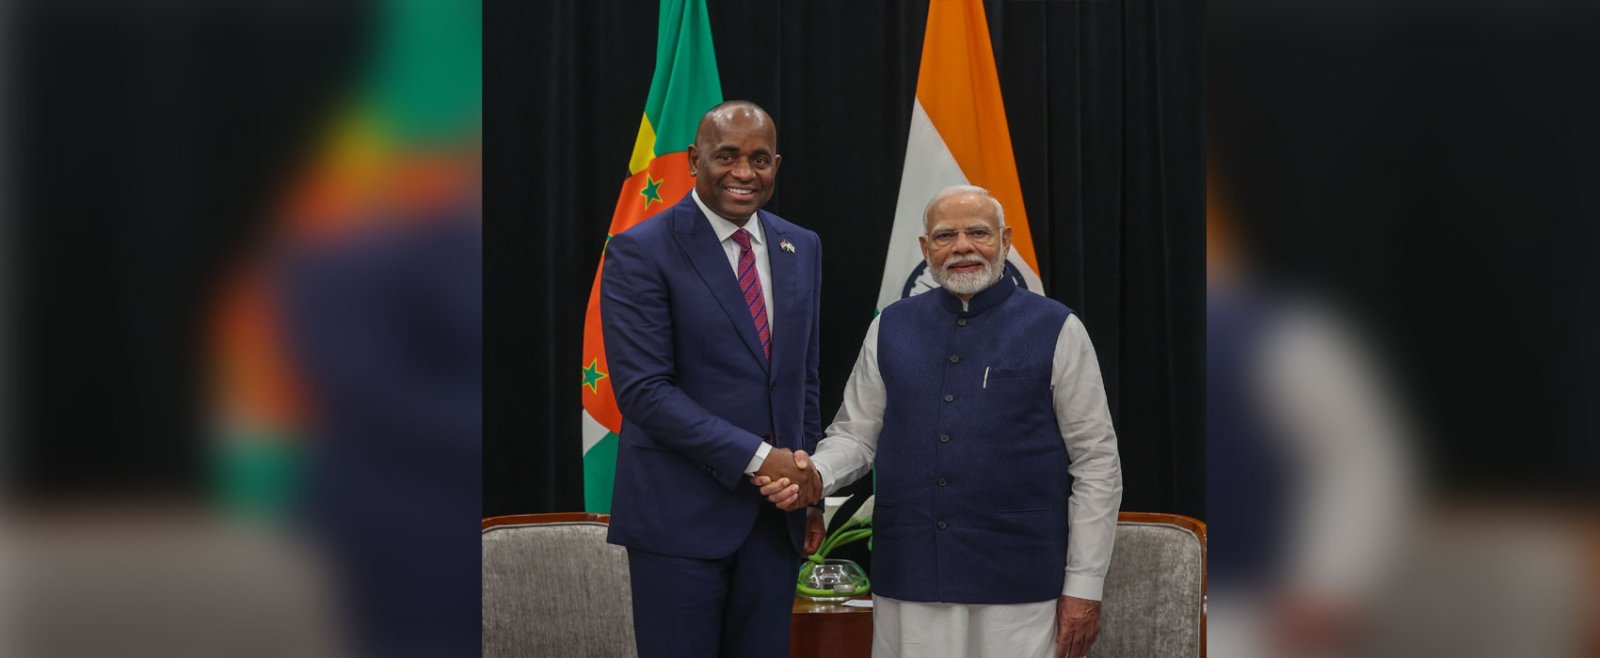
(1080, 405)
(848, 446)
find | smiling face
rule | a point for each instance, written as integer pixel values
(965, 246)
(735, 161)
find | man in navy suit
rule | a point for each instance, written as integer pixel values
(710, 314)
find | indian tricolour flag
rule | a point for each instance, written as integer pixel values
(684, 86)
(958, 136)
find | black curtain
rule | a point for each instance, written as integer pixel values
(1104, 104)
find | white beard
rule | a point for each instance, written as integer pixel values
(969, 283)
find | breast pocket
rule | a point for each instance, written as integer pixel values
(1015, 384)
(1032, 372)
(1016, 378)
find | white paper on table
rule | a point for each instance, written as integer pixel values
(859, 603)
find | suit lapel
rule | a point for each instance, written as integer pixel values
(784, 295)
(695, 236)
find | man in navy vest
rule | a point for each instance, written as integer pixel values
(975, 402)
(711, 317)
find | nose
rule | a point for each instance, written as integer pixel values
(742, 169)
(963, 243)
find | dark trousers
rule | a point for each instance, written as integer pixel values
(733, 607)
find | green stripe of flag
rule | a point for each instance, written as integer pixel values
(685, 84)
(599, 473)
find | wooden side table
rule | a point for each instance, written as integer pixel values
(830, 630)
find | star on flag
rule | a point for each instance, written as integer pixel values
(651, 191)
(592, 376)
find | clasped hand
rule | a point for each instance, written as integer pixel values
(787, 479)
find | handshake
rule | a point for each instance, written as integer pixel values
(788, 480)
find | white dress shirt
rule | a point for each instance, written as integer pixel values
(758, 246)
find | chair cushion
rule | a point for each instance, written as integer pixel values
(555, 589)
(1152, 593)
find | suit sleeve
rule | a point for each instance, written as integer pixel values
(813, 409)
(636, 318)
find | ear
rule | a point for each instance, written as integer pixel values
(1005, 239)
(922, 241)
(694, 159)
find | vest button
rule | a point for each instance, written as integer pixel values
(943, 482)
(949, 398)
(962, 322)
(944, 438)
(955, 359)
(942, 525)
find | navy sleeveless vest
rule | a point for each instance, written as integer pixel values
(972, 473)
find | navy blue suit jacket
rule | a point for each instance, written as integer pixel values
(696, 393)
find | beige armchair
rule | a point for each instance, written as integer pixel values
(1154, 598)
(552, 586)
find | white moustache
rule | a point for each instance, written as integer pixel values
(964, 260)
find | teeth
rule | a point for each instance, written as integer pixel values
(740, 190)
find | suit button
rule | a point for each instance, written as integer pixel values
(955, 359)
(942, 525)
(944, 438)
(962, 322)
(943, 482)
(949, 398)
(773, 386)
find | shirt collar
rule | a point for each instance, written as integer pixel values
(724, 228)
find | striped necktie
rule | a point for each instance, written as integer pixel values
(750, 284)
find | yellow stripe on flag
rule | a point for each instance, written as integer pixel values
(644, 146)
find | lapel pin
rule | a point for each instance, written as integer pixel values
(786, 246)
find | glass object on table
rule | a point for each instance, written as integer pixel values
(833, 580)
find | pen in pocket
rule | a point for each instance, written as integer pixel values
(986, 376)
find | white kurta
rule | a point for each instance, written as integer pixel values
(910, 628)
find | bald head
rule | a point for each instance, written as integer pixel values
(734, 160)
(718, 119)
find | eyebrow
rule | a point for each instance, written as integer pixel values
(729, 148)
(978, 224)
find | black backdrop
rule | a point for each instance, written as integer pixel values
(1104, 103)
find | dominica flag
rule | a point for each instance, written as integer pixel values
(684, 86)
(959, 136)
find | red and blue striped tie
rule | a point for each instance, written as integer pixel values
(750, 283)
